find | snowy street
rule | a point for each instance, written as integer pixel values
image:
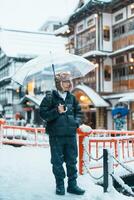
(25, 174)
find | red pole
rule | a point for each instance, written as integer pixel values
(81, 152)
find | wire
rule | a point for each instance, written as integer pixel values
(125, 167)
(90, 156)
(96, 178)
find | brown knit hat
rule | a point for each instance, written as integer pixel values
(61, 77)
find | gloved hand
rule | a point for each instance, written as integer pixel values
(85, 128)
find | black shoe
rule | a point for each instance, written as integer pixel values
(60, 190)
(75, 190)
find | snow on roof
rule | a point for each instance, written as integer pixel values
(61, 30)
(91, 53)
(17, 43)
(122, 50)
(98, 0)
(34, 99)
(113, 96)
(127, 98)
(105, 1)
(97, 100)
(102, 53)
(122, 96)
(92, 1)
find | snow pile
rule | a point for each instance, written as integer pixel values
(25, 174)
(85, 129)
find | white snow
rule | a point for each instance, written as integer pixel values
(99, 53)
(17, 43)
(36, 99)
(127, 98)
(25, 174)
(61, 30)
(85, 129)
(88, 1)
(96, 99)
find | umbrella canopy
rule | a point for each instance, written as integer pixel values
(77, 65)
(120, 110)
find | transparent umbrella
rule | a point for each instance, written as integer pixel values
(51, 65)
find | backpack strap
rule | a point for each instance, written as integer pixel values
(49, 96)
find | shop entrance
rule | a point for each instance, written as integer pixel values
(87, 107)
(90, 119)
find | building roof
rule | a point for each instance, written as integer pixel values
(88, 8)
(130, 47)
(96, 99)
(50, 20)
(121, 97)
(127, 98)
(36, 100)
(103, 53)
(95, 53)
(113, 96)
(16, 43)
(61, 30)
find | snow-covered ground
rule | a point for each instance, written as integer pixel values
(25, 174)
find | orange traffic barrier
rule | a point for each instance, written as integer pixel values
(121, 142)
(19, 135)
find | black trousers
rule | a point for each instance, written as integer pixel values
(64, 149)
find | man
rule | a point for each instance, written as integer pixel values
(62, 113)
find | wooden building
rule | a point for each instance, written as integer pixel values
(103, 32)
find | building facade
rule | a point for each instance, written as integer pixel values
(103, 32)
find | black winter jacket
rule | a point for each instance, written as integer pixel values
(64, 124)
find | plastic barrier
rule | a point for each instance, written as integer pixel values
(28, 136)
(121, 142)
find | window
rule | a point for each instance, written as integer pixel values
(131, 70)
(107, 73)
(91, 35)
(106, 33)
(90, 22)
(132, 55)
(132, 11)
(56, 26)
(85, 38)
(80, 27)
(119, 31)
(131, 25)
(119, 17)
(120, 73)
(119, 60)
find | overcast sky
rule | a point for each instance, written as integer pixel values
(31, 14)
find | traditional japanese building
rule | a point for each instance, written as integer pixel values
(103, 32)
